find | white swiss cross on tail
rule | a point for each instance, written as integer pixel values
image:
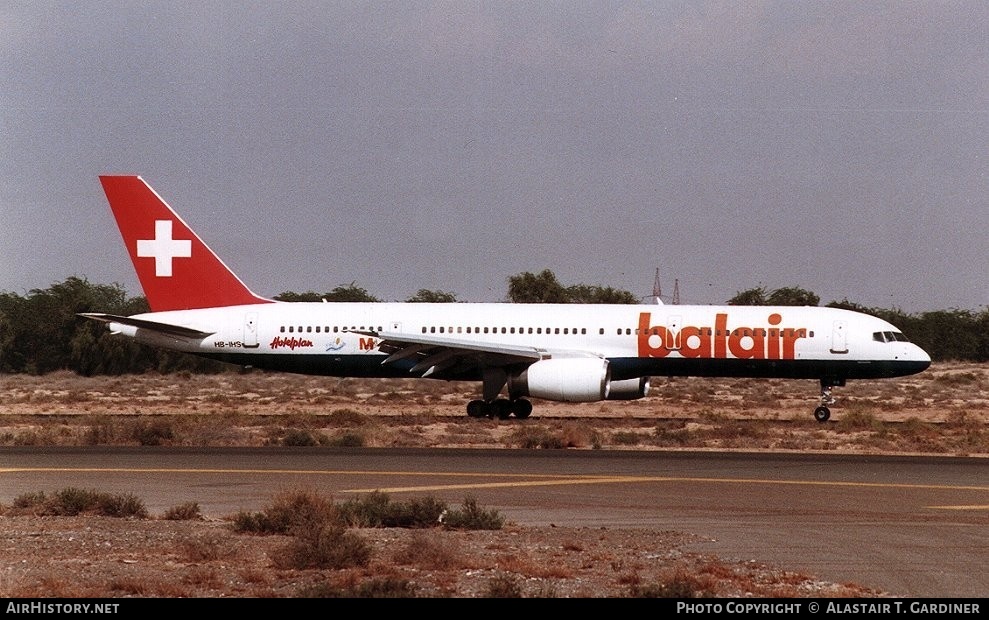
(185, 273)
(163, 248)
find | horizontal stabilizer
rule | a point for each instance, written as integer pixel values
(164, 328)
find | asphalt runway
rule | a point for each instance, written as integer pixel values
(911, 526)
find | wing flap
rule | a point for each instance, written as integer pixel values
(446, 356)
(434, 355)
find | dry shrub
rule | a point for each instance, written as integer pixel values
(712, 416)
(188, 511)
(716, 569)
(529, 567)
(630, 579)
(73, 501)
(320, 537)
(220, 429)
(859, 420)
(323, 545)
(287, 511)
(792, 578)
(206, 548)
(529, 437)
(471, 432)
(152, 432)
(764, 398)
(392, 396)
(345, 417)
(430, 551)
(671, 433)
(132, 586)
(296, 437)
(921, 436)
(626, 438)
(348, 439)
(202, 576)
(743, 430)
(504, 585)
(678, 582)
(578, 435)
(47, 587)
(101, 431)
(378, 587)
(40, 437)
(956, 379)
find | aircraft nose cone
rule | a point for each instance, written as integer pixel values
(923, 355)
(920, 357)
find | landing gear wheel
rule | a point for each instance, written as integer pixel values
(822, 413)
(502, 408)
(477, 409)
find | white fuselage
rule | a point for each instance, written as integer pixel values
(638, 340)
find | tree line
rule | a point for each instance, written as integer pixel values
(40, 332)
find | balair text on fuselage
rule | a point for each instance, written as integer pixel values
(717, 342)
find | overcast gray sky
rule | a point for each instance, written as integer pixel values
(841, 147)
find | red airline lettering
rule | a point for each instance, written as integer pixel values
(366, 344)
(717, 342)
(291, 343)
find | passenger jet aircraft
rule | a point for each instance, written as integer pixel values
(558, 352)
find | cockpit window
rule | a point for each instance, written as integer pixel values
(889, 337)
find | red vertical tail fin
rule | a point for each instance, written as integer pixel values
(176, 269)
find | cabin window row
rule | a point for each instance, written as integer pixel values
(503, 330)
(627, 331)
(336, 329)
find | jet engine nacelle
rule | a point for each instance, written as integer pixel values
(575, 380)
(568, 379)
(629, 389)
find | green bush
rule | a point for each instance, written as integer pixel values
(188, 511)
(73, 501)
(287, 511)
(472, 517)
(377, 510)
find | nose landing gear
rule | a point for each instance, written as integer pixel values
(823, 413)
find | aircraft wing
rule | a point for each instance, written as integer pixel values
(437, 355)
(157, 326)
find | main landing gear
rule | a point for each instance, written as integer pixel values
(822, 413)
(493, 406)
(500, 408)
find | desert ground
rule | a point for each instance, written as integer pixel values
(943, 411)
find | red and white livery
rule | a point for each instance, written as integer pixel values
(560, 352)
